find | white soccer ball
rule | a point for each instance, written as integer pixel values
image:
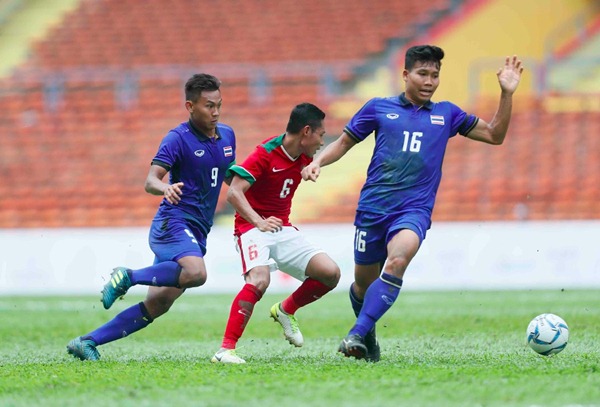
(547, 334)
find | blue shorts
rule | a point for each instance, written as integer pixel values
(374, 231)
(172, 239)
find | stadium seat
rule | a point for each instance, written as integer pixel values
(93, 140)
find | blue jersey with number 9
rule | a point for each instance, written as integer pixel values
(201, 163)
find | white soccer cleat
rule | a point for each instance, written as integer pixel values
(291, 329)
(226, 356)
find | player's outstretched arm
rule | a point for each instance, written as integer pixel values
(494, 132)
(329, 155)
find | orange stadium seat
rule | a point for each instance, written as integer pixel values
(86, 157)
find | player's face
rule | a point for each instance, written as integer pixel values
(205, 111)
(313, 140)
(421, 81)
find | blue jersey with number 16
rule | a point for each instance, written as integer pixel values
(410, 142)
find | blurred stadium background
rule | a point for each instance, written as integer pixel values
(89, 87)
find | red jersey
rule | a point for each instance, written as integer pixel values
(274, 177)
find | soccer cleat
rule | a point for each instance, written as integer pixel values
(372, 344)
(289, 323)
(353, 345)
(226, 356)
(84, 349)
(116, 287)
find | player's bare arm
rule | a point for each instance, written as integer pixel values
(330, 154)
(494, 132)
(156, 186)
(237, 198)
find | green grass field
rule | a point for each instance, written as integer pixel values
(438, 349)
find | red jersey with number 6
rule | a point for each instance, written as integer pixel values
(274, 176)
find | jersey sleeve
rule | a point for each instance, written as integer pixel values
(462, 123)
(229, 173)
(253, 166)
(232, 140)
(168, 151)
(364, 122)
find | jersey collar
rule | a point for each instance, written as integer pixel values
(405, 102)
(196, 132)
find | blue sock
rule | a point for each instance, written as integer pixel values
(380, 296)
(356, 303)
(125, 323)
(165, 274)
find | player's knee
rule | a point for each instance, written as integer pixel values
(262, 285)
(192, 277)
(260, 278)
(333, 276)
(158, 306)
(324, 269)
(396, 266)
(330, 275)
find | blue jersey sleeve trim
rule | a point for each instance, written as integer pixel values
(351, 134)
(471, 127)
(161, 164)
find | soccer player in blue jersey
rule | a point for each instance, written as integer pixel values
(197, 154)
(396, 201)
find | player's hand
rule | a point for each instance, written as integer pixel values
(509, 75)
(270, 224)
(311, 172)
(173, 193)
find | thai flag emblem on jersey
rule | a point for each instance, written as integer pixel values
(435, 119)
(228, 151)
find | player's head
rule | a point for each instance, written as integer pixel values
(203, 101)
(423, 53)
(306, 120)
(421, 73)
(199, 83)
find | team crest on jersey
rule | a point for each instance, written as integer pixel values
(228, 151)
(435, 119)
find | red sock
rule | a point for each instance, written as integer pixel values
(239, 315)
(310, 291)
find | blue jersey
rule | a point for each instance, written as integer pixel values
(201, 164)
(410, 142)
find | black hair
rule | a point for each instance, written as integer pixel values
(305, 114)
(199, 83)
(423, 53)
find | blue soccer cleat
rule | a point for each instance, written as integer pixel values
(116, 287)
(84, 349)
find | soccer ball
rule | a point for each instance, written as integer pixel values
(547, 334)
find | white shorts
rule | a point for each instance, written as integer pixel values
(286, 250)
